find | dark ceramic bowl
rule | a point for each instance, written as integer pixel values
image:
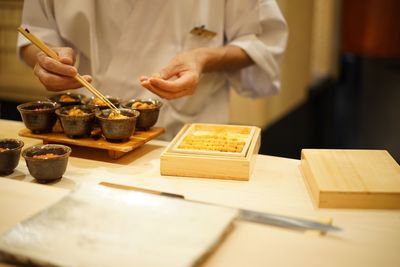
(148, 116)
(117, 130)
(76, 126)
(68, 99)
(97, 103)
(47, 169)
(10, 150)
(39, 116)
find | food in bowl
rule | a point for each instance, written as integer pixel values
(41, 109)
(76, 111)
(143, 105)
(149, 111)
(99, 103)
(68, 98)
(117, 130)
(10, 151)
(116, 116)
(45, 156)
(47, 163)
(39, 116)
(76, 121)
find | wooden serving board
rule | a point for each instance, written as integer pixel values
(115, 150)
(368, 179)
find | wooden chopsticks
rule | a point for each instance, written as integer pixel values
(42, 46)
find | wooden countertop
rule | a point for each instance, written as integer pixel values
(370, 237)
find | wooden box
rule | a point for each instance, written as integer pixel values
(351, 178)
(178, 160)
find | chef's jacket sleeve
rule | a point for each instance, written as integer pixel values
(259, 28)
(38, 18)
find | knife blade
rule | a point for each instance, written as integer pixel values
(283, 221)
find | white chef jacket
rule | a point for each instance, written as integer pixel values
(118, 41)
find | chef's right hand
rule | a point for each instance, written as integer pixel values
(58, 75)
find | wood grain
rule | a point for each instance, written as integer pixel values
(352, 178)
(209, 166)
(115, 150)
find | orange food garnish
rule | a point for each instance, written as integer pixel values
(98, 102)
(116, 116)
(67, 98)
(45, 156)
(75, 111)
(143, 105)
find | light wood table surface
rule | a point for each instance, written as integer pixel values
(369, 237)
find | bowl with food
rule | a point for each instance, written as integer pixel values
(47, 163)
(10, 151)
(68, 99)
(76, 121)
(100, 104)
(117, 126)
(39, 116)
(149, 110)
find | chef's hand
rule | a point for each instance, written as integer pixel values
(179, 78)
(54, 75)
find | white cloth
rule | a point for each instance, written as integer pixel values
(118, 41)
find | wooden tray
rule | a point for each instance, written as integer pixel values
(368, 179)
(221, 165)
(115, 150)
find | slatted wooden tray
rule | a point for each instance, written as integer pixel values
(115, 150)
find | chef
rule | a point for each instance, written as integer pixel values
(189, 53)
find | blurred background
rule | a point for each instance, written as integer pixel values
(340, 78)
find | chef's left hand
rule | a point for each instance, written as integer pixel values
(179, 78)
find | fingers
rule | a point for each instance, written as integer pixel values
(173, 88)
(66, 55)
(179, 78)
(88, 78)
(167, 73)
(144, 78)
(168, 95)
(55, 82)
(54, 66)
(58, 75)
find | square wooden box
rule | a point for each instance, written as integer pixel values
(358, 179)
(211, 164)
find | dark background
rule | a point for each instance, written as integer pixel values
(361, 110)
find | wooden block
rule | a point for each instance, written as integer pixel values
(210, 165)
(365, 179)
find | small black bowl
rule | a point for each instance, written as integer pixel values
(68, 99)
(148, 115)
(78, 125)
(47, 168)
(117, 130)
(39, 116)
(97, 103)
(10, 150)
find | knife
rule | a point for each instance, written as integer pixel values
(246, 215)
